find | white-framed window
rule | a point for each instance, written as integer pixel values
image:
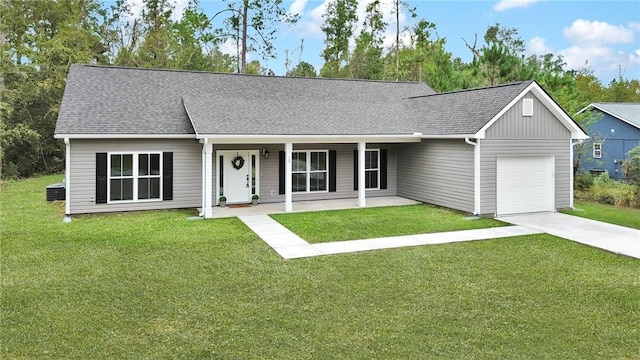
(310, 171)
(597, 150)
(372, 169)
(527, 107)
(134, 177)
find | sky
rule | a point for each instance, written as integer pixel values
(604, 36)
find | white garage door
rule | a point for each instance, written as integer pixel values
(525, 184)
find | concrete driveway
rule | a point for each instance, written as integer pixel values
(614, 238)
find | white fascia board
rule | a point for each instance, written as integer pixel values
(457, 136)
(541, 95)
(309, 139)
(124, 136)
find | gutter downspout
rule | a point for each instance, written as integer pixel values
(476, 175)
(571, 171)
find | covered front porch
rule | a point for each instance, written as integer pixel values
(312, 172)
(310, 205)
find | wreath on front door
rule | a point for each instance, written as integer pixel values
(237, 162)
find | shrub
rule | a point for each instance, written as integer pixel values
(608, 191)
(584, 181)
(631, 167)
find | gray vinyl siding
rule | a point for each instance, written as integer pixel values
(490, 149)
(438, 172)
(187, 170)
(269, 171)
(542, 125)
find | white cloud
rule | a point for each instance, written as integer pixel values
(503, 5)
(538, 46)
(592, 33)
(297, 7)
(634, 25)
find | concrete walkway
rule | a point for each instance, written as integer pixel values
(291, 246)
(614, 238)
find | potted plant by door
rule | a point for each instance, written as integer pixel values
(254, 199)
(222, 201)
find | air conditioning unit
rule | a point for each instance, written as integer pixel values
(55, 192)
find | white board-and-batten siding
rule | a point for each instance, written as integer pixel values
(513, 125)
(187, 172)
(438, 172)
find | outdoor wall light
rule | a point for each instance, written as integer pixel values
(265, 153)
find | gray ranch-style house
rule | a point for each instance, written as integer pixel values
(141, 139)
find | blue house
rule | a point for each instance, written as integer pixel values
(615, 130)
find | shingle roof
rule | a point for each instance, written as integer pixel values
(462, 112)
(113, 100)
(134, 101)
(628, 112)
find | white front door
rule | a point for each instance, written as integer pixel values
(237, 177)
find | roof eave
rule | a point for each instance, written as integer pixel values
(309, 139)
(124, 136)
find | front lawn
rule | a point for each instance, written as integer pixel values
(618, 215)
(353, 224)
(156, 286)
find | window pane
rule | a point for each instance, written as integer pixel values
(116, 165)
(318, 161)
(116, 190)
(155, 164)
(371, 160)
(143, 189)
(371, 180)
(143, 164)
(299, 161)
(299, 182)
(318, 181)
(127, 189)
(154, 188)
(127, 165)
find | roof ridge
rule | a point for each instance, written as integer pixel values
(617, 103)
(250, 75)
(476, 89)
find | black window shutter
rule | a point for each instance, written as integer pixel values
(101, 178)
(281, 172)
(383, 168)
(332, 170)
(355, 169)
(167, 176)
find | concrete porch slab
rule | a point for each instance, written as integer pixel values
(315, 205)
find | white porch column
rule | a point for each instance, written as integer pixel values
(288, 198)
(571, 145)
(207, 169)
(362, 202)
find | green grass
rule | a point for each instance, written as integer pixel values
(353, 224)
(607, 213)
(156, 286)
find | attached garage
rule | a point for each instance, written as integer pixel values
(525, 184)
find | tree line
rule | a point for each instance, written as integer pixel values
(41, 39)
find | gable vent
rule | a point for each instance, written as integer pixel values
(527, 107)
